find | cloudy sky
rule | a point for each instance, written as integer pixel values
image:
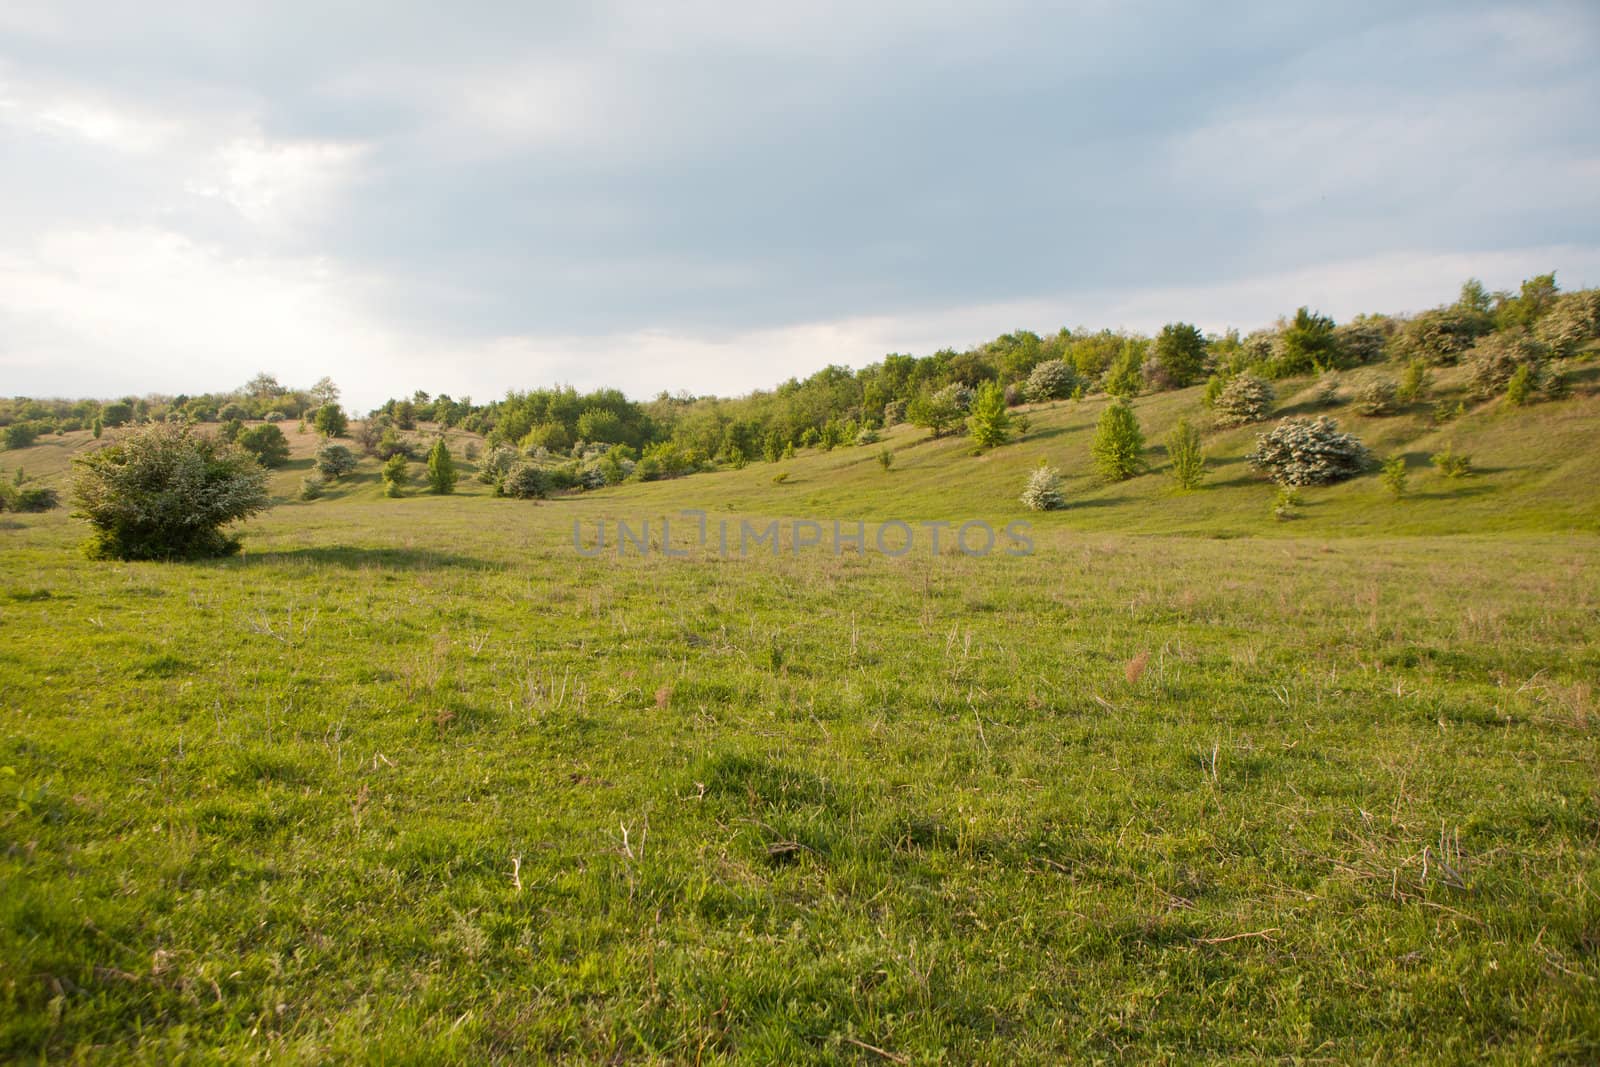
(714, 196)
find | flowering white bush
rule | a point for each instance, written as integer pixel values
(1381, 396)
(1043, 491)
(1245, 398)
(1050, 380)
(1572, 320)
(1308, 452)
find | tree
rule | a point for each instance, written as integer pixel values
(1187, 455)
(1126, 376)
(933, 411)
(990, 422)
(335, 461)
(1394, 476)
(1381, 396)
(324, 392)
(1180, 353)
(1308, 452)
(885, 459)
(263, 387)
(1043, 491)
(1308, 344)
(115, 414)
(99, 427)
(396, 475)
(1118, 443)
(441, 469)
(163, 491)
(267, 444)
(330, 420)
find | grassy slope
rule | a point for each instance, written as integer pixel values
(409, 781)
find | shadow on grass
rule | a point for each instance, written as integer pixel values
(362, 558)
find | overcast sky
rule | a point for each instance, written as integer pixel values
(715, 196)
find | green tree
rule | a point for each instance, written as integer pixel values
(99, 427)
(1126, 376)
(441, 469)
(163, 491)
(885, 459)
(1187, 454)
(1308, 344)
(1394, 476)
(990, 423)
(1118, 447)
(267, 444)
(396, 475)
(1180, 353)
(934, 411)
(330, 421)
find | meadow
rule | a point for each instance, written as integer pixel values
(413, 781)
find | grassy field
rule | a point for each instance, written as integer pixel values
(412, 781)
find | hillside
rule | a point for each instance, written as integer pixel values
(1535, 468)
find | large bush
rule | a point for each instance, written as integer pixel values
(1440, 336)
(1363, 340)
(1572, 320)
(335, 461)
(267, 444)
(1308, 452)
(525, 481)
(1051, 380)
(163, 491)
(1500, 356)
(1245, 398)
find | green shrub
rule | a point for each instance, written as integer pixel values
(311, 486)
(1308, 452)
(162, 491)
(1520, 387)
(1244, 399)
(885, 459)
(1381, 396)
(335, 461)
(1451, 464)
(1286, 503)
(20, 497)
(497, 463)
(1414, 383)
(19, 435)
(1306, 345)
(1394, 476)
(1043, 490)
(396, 475)
(1187, 454)
(267, 444)
(1118, 447)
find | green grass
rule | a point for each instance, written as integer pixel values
(410, 781)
